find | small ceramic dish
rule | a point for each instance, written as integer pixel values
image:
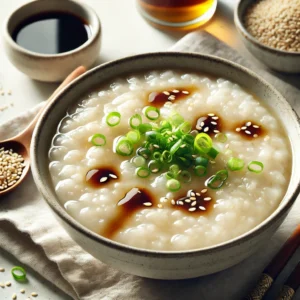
(279, 60)
(52, 67)
(164, 264)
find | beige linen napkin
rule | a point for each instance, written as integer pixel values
(29, 231)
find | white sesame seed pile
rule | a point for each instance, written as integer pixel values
(11, 167)
(275, 23)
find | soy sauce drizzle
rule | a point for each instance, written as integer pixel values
(209, 124)
(136, 199)
(101, 176)
(158, 99)
(194, 202)
(250, 130)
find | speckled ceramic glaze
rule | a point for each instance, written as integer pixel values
(164, 264)
(278, 60)
(51, 68)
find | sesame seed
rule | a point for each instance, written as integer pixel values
(187, 200)
(156, 146)
(22, 291)
(14, 296)
(172, 97)
(148, 204)
(180, 202)
(2, 285)
(192, 194)
(185, 92)
(202, 124)
(34, 294)
(206, 129)
(193, 203)
(192, 209)
(226, 146)
(113, 176)
(214, 123)
(2, 269)
(103, 179)
(215, 118)
(9, 92)
(193, 198)
(197, 194)
(202, 208)
(211, 114)
(175, 91)
(166, 93)
(255, 135)
(159, 205)
(247, 132)
(255, 126)
(183, 146)
(248, 124)
(244, 128)
(203, 191)
(2, 93)
(8, 283)
(216, 131)
(238, 129)
(173, 202)
(207, 199)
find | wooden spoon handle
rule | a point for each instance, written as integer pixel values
(25, 136)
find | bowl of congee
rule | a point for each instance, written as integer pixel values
(168, 165)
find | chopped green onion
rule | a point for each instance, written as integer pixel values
(154, 166)
(156, 155)
(185, 176)
(166, 157)
(221, 137)
(176, 119)
(175, 147)
(185, 127)
(18, 273)
(113, 119)
(165, 125)
(135, 121)
(138, 161)
(255, 166)
(217, 181)
(213, 153)
(201, 161)
(97, 139)
(174, 169)
(151, 112)
(235, 164)
(200, 170)
(203, 143)
(124, 147)
(173, 185)
(142, 172)
(146, 153)
(153, 136)
(133, 136)
(143, 128)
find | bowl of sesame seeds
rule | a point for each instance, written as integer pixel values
(270, 29)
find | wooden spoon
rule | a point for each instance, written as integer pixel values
(21, 143)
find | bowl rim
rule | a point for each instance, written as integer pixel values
(86, 8)
(242, 29)
(75, 225)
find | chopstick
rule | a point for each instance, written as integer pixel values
(291, 285)
(271, 272)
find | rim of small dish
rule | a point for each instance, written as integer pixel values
(53, 202)
(238, 20)
(95, 30)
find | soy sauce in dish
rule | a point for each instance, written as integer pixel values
(52, 33)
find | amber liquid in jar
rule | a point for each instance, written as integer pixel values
(177, 14)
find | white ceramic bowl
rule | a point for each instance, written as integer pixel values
(55, 67)
(164, 264)
(279, 60)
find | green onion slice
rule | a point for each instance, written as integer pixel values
(201, 161)
(97, 139)
(124, 147)
(138, 161)
(200, 170)
(143, 128)
(176, 119)
(135, 121)
(185, 127)
(133, 136)
(156, 155)
(144, 152)
(151, 112)
(203, 143)
(154, 166)
(174, 169)
(113, 119)
(173, 185)
(217, 181)
(221, 137)
(142, 172)
(166, 157)
(255, 166)
(213, 152)
(235, 164)
(185, 176)
(18, 273)
(176, 146)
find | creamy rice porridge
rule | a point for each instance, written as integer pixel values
(170, 161)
